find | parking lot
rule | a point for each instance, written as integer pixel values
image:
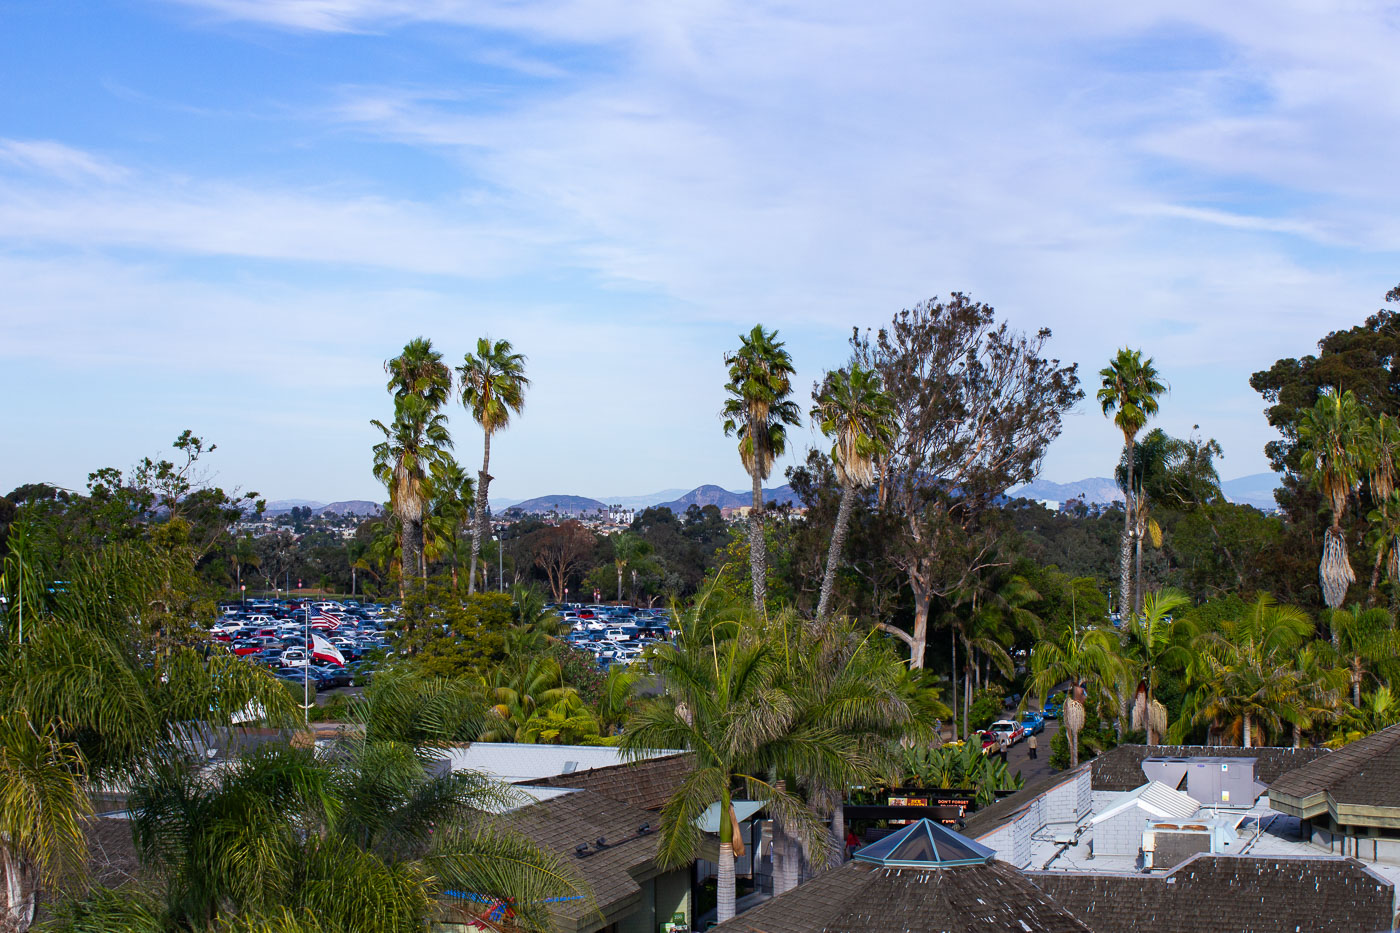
(347, 639)
(613, 634)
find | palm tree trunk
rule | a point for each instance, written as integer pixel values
(1137, 567)
(1376, 575)
(483, 482)
(1356, 689)
(953, 693)
(724, 908)
(20, 881)
(833, 553)
(758, 548)
(1246, 731)
(838, 829)
(1125, 583)
(1297, 736)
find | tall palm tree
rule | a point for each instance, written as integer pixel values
(1152, 463)
(727, 703)
(758, 412)
(1333, 458)
(493, 385)
(1129, 389)
(413, 442)
(853, 410)
(419, 370)
(1156, 633)
(1075, 654)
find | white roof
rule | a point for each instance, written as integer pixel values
(513, 762)
(1154, 798)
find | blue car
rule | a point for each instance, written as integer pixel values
(1032, 722)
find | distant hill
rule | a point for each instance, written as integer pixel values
(642, 502)
(346, 507)
(1257, 490)
(350, 507)
(1097, 489)
(564, 505)
(724, 499)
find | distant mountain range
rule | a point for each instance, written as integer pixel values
(1257, 490)
(1096, 489)
(700, 495)
(348, 507)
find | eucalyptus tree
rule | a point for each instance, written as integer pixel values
(729, 704)
(413, 442)
(1128, 390)
(853, 410)
(758, 411)
(1334, 457)
(493, 384)
(976, 406)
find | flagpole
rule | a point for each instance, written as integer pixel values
(306, 671)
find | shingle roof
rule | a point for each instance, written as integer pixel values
(646, 784)
(560, 824)
(862, 898)
(1365, 772)
(1121, 768)
(1212, 893)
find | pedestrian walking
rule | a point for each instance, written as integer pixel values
(1031, 745)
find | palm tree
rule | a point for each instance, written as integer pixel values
(493, 384)
(43, 808)
(1075, 654)
(758, 411)
(1384, 536)
(1156, 635)
(848, 680)
(413, 442)
(727, 703)
(451, 493)
(1152, 464)
(361, 836)
(419, 370)
(1244, 668)
(517, 691)
(1366, 640)
(852, 410)
(242, 554)
(1333, 457)
(1130, 388)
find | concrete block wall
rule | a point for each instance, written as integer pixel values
(1120, 835)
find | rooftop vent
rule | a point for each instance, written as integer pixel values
(925, 844)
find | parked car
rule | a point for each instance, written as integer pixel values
(1008, 731)
(1032, 722)
(298, 677)
(991, 743)
(331, 676)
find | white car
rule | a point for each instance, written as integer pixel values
(1008, 731)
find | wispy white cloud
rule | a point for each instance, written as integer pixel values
(53, 160)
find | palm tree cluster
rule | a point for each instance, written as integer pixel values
(431, 497)
(779, 709)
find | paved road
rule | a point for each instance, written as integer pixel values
(1018, 759)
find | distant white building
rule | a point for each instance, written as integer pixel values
(1050, 504)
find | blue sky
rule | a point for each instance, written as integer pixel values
(225, 214)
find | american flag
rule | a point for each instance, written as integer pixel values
(324, 617)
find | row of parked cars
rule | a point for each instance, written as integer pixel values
(1005, 733)
(273, 633)
(614, 634)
